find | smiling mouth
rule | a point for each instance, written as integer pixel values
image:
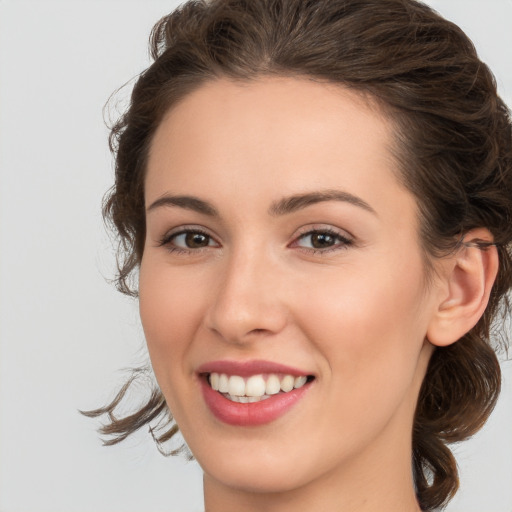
(255, 388)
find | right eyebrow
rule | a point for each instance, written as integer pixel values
(187, 202)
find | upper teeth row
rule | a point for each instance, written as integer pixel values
(256, 385)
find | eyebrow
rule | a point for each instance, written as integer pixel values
(299, 201)
(187, 202)
(283, 206)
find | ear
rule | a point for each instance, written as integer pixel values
(467, 279)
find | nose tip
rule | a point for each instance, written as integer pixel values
(241, 321)
(246, 306)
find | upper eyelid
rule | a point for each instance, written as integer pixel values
(345, 240)
(167, 238)
(188, 229)
(315, 228)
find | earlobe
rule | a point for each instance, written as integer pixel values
(470, 275)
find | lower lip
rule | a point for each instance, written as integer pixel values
(250, 414)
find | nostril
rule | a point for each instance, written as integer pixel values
(258, 331)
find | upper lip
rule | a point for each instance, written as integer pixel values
(248, 368)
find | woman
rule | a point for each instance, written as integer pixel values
(317, 197)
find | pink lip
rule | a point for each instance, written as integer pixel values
(251, 414)
(257, 413)
(248, 368)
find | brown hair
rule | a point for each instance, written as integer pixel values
(453, 145)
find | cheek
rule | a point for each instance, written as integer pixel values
(360, 306)
(370, 328)
(169, 309)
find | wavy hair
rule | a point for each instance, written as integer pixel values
(453, 144)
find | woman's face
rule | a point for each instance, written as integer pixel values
(280, 249)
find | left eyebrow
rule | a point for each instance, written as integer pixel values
(299, 201)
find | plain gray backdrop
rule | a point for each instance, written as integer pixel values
(64, 331)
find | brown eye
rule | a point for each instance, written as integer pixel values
(188, 241)
(196, 240)
(322, 240)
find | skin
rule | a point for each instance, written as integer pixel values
(355, 315)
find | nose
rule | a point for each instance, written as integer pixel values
(248, 303)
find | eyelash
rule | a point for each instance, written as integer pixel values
(167, 239)
(343, 241)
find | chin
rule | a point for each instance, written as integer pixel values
(251, 476)
(264, 464)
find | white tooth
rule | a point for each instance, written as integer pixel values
(236, 385)
(287, 383)
(252, 399)
(300, 381)
(233, 398)
(243, 399)
(273, 385)
(255, 386)
(214, 381)
(223, 383)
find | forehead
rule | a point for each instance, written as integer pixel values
(270, 136)
(269, 105)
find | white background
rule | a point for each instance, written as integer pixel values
(64, 331)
